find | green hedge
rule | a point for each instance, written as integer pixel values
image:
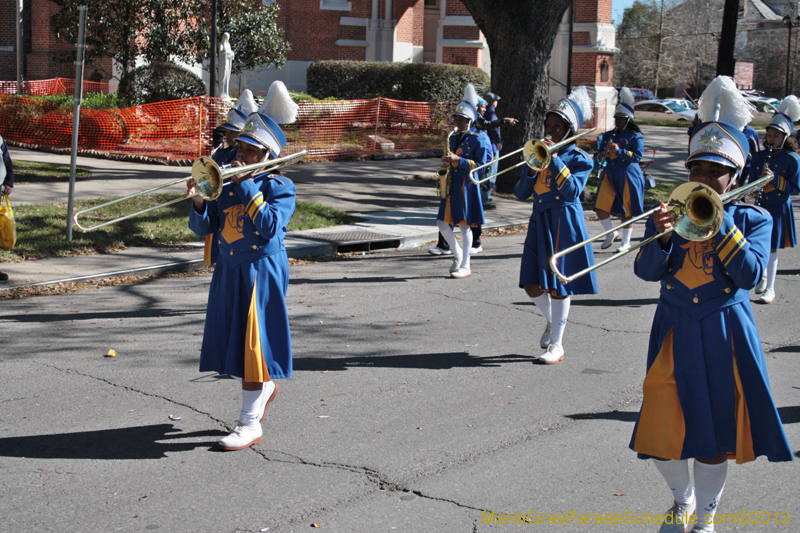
(411, 82)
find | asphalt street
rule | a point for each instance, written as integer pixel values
(415, 406)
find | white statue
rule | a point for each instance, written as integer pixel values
(225, 64)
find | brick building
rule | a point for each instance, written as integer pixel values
(41, 47)
(362, 30)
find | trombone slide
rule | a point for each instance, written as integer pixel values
(530, 152)
(696, 223)
(209, 181)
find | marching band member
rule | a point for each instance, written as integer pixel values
(706, 392)
(234, 122)
(248, 288)
(225, 154)
(776, 196)
(463, 208)
(621, 189)
(557, 222)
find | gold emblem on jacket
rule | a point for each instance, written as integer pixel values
(234, 223)
(698, 263)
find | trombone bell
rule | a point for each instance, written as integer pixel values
(207, 177)
(696, 211)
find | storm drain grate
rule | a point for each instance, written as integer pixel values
(357, 240)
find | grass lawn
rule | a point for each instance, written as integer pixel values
(41, 228)
(29, 172)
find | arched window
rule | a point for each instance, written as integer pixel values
(604, 71)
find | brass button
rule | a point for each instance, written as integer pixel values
(219, 242)
(557, 198)
(670, 269)
(231, 252)
(696, 300)
(669, 287)
(540, 200)
(254, 247)
(727, 289)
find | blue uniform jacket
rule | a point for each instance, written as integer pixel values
(786, 181)
(250, 217)
(631, 150)
(731, 264)
(562, 186)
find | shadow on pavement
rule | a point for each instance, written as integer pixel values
(425, 361)
(622, 416)
(123, 443)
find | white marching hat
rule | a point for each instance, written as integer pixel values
(575, 108)
(244, 107)
(625, 106)
(724, 111)
(262, 128)
(467, 107)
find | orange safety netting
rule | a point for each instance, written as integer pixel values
(53, 86)
(181, 129)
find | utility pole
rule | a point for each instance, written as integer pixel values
(726, 63)
(212, 64)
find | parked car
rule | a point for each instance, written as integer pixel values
(688, 104)
(640, 95)
(662, 110)
(765, 108)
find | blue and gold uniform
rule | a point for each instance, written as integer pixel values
(776, 195)
(621, 189)
(557, 222)
(464, 206)
(248, 289)
(706, 390)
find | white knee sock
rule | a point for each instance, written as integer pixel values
(251, 407)
(449, 236)
(676, 474)
(772, 270)
(466, 245)
(606, 223)
(544, 305)
(560, 313)
(709, 481)
(626, 236)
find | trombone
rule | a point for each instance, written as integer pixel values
(208, 178)
(696, 211)
(535, 154)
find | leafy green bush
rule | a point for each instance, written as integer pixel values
(413, 82)
(160, 82)
(90, 100)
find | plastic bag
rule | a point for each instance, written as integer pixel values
(8, 228)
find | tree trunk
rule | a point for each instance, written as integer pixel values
(520, 36)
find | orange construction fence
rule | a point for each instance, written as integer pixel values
(53, 86)
(180, 130)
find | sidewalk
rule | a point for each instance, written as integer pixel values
(397, 206)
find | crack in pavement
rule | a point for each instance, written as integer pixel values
(374, 478)
(128, 388)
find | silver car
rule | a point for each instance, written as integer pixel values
(662, 110)
(765, 109)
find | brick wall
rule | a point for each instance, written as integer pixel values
(313, 32)
(580, 38)
(592, 11)
(410, 17)
(461, 32)
(455, 7)
(8, 37)
(461, 56)
(586, 69)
